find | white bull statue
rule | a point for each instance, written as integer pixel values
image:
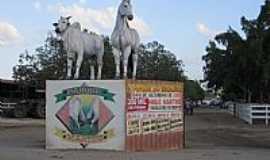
(80, 43)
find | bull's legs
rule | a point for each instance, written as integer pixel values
(117, 54)
(99, 71)
(135, 63)
(100, 65)
(78, 65)
(69, 67)
(126, 53)
(92, 70)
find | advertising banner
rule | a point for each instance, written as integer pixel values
(154, 109)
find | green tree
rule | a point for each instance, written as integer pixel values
(157, 63)
(26, 67)
(194, 91)
(240, 68)
(48, 62)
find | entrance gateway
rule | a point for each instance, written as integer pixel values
(121, 115)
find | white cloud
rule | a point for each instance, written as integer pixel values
(98, 20)
(206, 31)
(37, 5)
(8, 34)
(82, 1)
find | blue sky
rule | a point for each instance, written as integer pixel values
(184, 27)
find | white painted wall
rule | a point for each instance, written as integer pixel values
(117, 124)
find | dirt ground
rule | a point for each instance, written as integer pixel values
(210, 135)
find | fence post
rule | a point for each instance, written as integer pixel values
(266, 118)
(250, 108)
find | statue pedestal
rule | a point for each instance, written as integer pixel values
(119, 115)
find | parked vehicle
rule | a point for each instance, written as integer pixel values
(21, 99)
(215, 103)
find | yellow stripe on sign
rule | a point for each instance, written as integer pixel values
(66, 136)
(155, 87)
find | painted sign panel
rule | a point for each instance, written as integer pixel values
(85, 114)
(154, 109)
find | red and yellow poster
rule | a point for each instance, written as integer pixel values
(153, 108)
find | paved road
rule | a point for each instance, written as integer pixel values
(211, 135)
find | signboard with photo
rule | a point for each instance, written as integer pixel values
(84, 114)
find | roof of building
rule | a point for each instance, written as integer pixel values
(7, 81)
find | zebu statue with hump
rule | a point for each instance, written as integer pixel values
(125, 40)
(81, 44)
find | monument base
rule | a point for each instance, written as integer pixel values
(119, 115)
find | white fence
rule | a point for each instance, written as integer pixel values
(251, 112)
(7, 105)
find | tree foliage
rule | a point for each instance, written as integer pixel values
(194, 91)
(48, 62)
(157, 63)
(239, 66)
